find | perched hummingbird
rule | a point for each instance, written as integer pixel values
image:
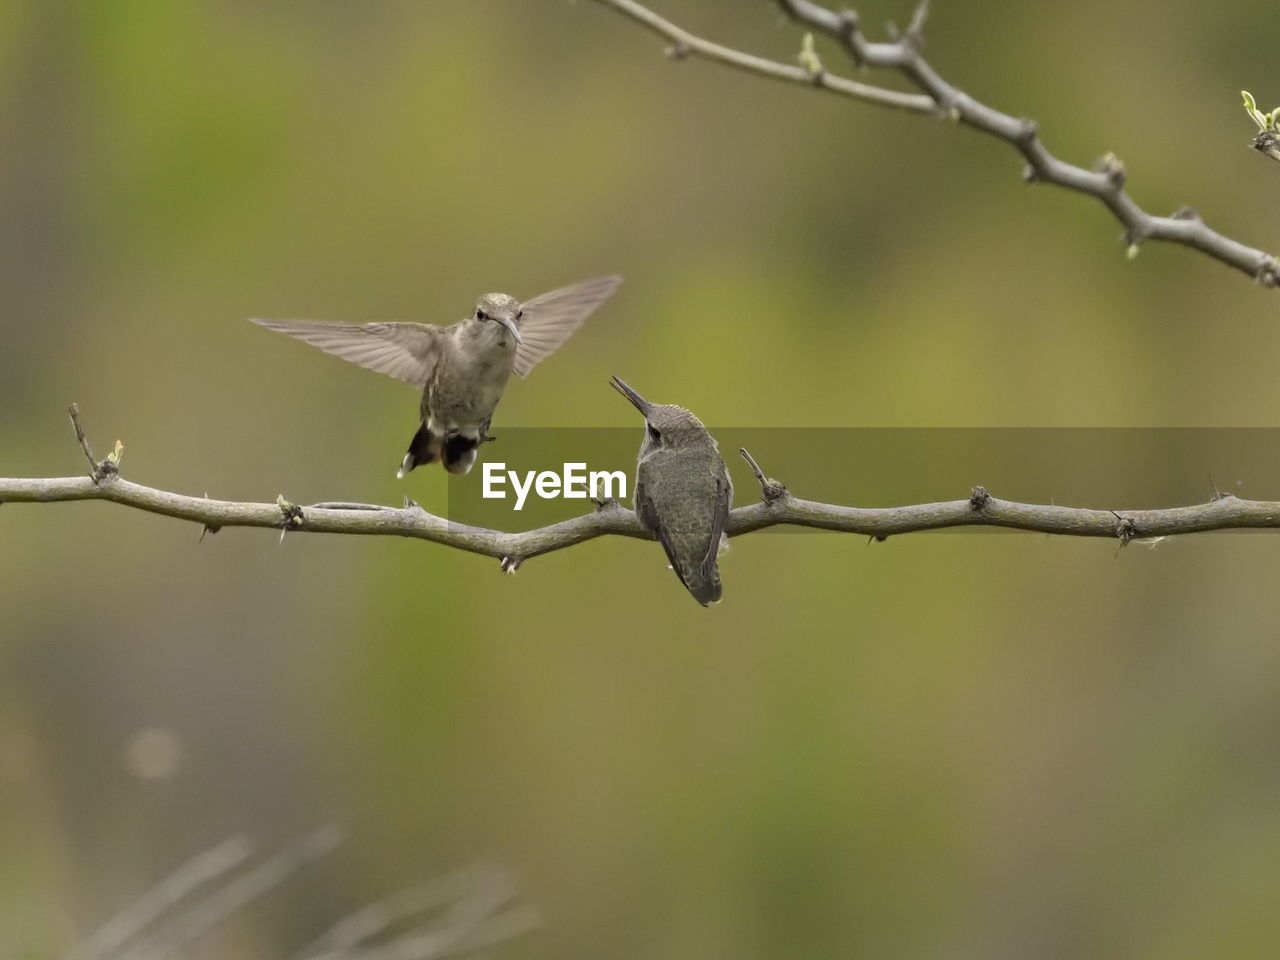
(461, 369)
(682, 493)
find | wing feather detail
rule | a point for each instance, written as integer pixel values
(550, 319)
(406, 351)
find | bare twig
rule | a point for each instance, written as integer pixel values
(770, 489)
(73, 412)
(475, 918)
(1106, 183)
(234, 895)
(376, 918)
(99, 470)
(133, 921)
(459, 914)
(466, 938)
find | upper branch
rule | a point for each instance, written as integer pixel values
(1105, 182)
(684, 44)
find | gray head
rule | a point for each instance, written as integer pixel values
(500, 308)
(666, 425)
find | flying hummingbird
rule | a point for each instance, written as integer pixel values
(461, 369)
(682, 493)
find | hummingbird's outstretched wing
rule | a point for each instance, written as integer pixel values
(406, 351)
(549, 320)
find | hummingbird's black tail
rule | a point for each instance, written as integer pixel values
(705, 587)
(423, 448)
(459, 453)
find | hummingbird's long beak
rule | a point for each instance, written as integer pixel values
(510, 325)
(639, 402)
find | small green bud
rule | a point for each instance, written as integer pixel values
(1265, 121)
(809, 56)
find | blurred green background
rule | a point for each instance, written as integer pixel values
(945, 746)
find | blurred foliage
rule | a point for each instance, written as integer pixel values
(945, 745)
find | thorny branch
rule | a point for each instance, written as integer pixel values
(778, 507)
(904, 54)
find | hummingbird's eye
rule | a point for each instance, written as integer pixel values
(480, 314)
(654, 435)
(519, 314)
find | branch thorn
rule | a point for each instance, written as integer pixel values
(1126, 529)
(1220, 494)
(979, 498)
(849, 28)
(1112, 167)
(206, 528)
(1217, 494)
(1268, 273)
(291, 515)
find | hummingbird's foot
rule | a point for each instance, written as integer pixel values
(511, 564)
(609, 503)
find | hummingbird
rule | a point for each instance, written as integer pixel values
(682, 492)
(461, 369)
